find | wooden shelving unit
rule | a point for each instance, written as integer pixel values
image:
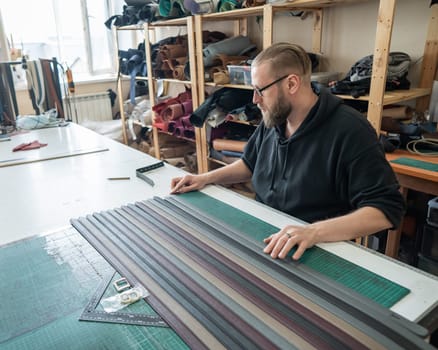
(377, 97)
(149, 34)
(150, 28)
(119, 80)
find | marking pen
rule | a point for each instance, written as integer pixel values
(119, 178)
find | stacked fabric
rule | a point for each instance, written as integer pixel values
(173, 115)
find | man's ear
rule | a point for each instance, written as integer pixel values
(293, 83)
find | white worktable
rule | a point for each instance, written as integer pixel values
(41, 197)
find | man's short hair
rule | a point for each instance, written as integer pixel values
(285, 57)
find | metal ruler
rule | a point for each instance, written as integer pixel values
(91, 313)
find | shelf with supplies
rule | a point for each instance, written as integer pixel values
(392, 97)
(377, 97)
(148, 33)
(150, 38)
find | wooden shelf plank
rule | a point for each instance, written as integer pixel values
(182, 21)
(131, 27)
(306, 4)
(234, 86)
(217, 161)
(395, 96)
(234, 14)
(175, 136)
(172, 80)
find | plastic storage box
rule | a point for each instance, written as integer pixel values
(240, 75)
(432, 212)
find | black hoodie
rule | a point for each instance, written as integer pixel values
(330, 166)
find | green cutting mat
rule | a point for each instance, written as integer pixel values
(365, 282)
(416, 163)
(45, 284)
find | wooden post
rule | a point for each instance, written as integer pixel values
(430, 59)
(385, 23)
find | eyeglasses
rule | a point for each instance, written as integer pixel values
(259, 91)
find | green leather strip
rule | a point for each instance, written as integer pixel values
(416, 163)
(363, 281)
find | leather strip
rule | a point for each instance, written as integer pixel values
(279, 305)
(367, 311)
(192, 253)
(164, 305)
(212, 301)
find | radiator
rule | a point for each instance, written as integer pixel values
(89, 107)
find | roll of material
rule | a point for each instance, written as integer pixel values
(172, 112)
(187, 106)
(172, 51)
(178, 72)
(398, 112)
(228, 145)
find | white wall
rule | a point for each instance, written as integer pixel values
(25, 104)
(349, 32)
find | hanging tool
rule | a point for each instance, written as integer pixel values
(71, 88)
(70, 82)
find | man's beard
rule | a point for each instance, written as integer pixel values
(278, 114)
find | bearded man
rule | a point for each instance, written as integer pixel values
(312, 157)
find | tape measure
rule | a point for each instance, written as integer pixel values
(147, 168)
(91, 314)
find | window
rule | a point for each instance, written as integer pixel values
(72, 31)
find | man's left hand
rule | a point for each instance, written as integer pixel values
(280, 243)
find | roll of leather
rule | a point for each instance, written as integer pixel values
(178, 72)
(190, 134)
(179, 131)
(172, 51)
(228, 145)
(172, 112)
(173, 125)
(221, 77)
(161, 125)
(186, 121)
(398, 112)
(187, 106)
(233, 60)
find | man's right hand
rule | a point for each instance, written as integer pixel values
(188, 183)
